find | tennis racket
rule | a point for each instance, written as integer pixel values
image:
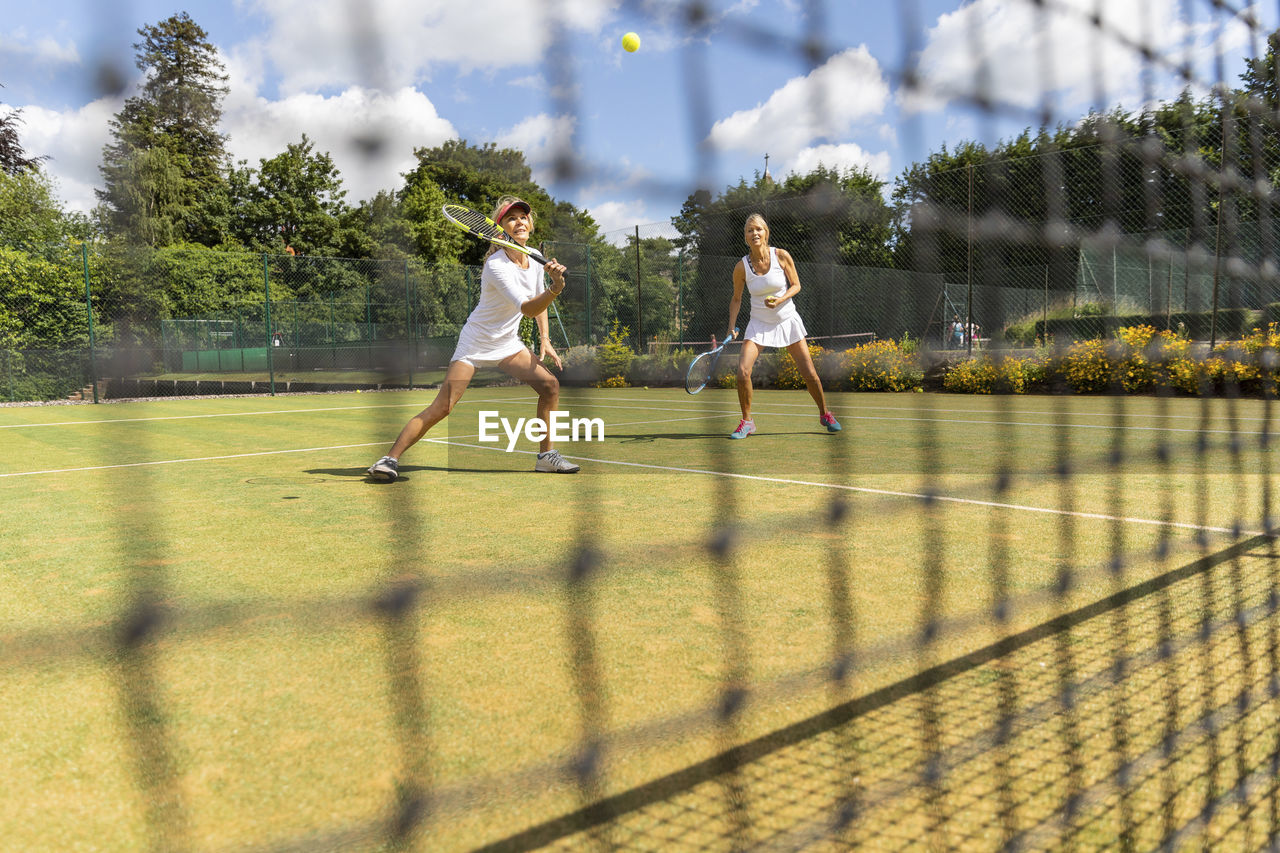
(479, 225)
(704, 366)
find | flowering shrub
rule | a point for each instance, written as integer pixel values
(615, 354)
(880, 366)
(1146, 355)
(986, 375)
(1088, 367)
(971, 376)
(1242, 363)
(614, 382)
(789, 372)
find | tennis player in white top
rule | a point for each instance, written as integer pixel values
(769, 275)
(511, 286)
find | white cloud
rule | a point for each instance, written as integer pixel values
(825, 104)
(1017, 53)
(73, 140)
(842, 157)
(616, 219)
(40, 50)
(341, 125)
(539, 137)
(258, 129)
(396, 43)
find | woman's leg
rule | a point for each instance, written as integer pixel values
(800, 352)
(456, 380)
(746, 361)
(530, 371)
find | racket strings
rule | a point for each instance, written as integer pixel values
(476, 223)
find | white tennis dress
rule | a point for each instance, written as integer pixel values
(492, 332)
(771, 327)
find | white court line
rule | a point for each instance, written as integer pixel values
(1083, 414)
(238, 414)
(725, 411)
(870, 491)
(670, 468)
(1045, 424)
(277, 452)
(192, 459)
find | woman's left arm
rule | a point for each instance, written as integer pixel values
(793, 279)
(546, 350)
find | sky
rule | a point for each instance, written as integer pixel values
(691, 108)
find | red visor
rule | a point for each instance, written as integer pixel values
(523, 205)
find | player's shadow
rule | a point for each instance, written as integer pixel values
(404, 470)
(631, 438)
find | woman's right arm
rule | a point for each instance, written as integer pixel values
(735, 302)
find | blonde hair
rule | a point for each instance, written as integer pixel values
(755, 217)
(497, 209)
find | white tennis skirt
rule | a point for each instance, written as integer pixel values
(485, 353)
(781, 334)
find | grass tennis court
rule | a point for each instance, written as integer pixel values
(279, 707)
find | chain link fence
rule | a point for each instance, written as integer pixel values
(960, 257)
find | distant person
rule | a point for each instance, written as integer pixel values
(511, 287)
(769, 275)
(957, 331)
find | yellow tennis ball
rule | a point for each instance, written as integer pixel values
(631, 42)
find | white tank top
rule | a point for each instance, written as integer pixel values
(772, 283)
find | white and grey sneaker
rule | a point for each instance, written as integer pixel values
(552, 462)
(385, 469)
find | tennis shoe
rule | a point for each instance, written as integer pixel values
(745, 428)
(385, 469)
(829, 421)
(552, 462)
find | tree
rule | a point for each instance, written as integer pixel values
(1259, 77)
(477, 176)
(34, 220)
(294, 199)
(13, 159)
(824, 217)
(177, 113)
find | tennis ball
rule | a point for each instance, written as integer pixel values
(631, 42)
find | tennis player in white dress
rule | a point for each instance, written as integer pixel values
(769, 275)
(511, 287)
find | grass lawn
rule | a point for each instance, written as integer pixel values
(277, 696)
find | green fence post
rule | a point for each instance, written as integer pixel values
(639, 300)
(591, 338)
(266, 307)
(680, 298)
(88, 307)
(408, 322)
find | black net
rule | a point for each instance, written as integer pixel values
(1104, 674)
